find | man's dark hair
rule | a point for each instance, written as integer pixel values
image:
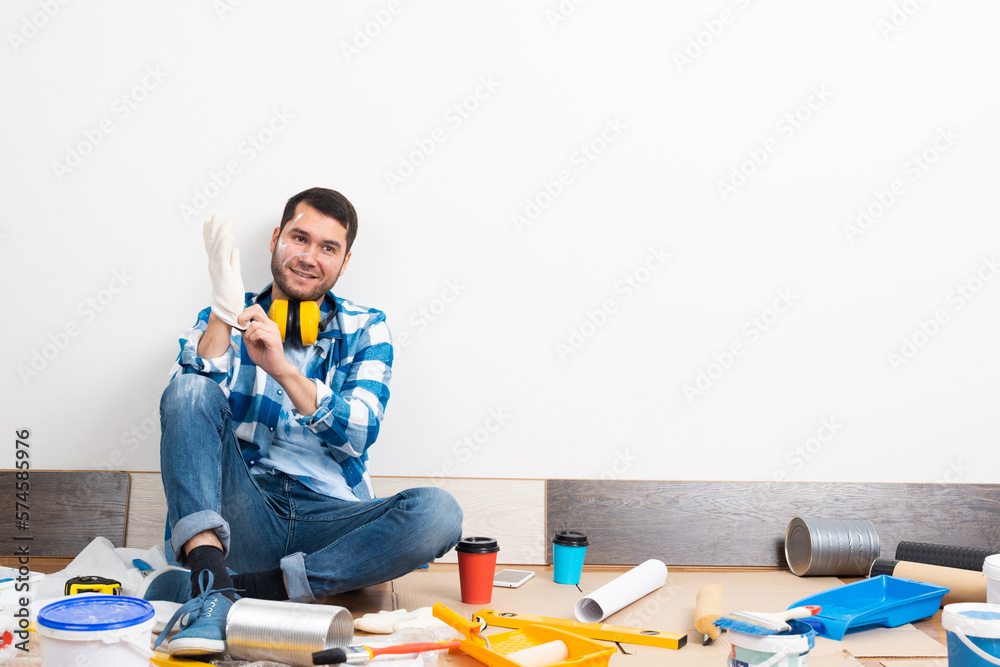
(328, 202)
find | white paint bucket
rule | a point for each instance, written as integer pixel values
(96, 630)
(788, 649)
(973, 634)
(991, 568)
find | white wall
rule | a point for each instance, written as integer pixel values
(511, 377)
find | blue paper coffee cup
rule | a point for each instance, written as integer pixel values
(568, 549)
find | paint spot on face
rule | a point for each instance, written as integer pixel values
(285, 263)
(282, 246)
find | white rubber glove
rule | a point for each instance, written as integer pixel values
(387, 622)
(224, 268)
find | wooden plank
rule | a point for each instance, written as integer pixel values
(43, 565)
(743, 523)
(510, 510)
(66, 509)
(147, 511)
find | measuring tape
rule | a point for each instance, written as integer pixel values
(93, 585)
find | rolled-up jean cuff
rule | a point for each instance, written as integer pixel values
(193, 524)
(294, 568)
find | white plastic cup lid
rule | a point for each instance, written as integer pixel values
(991, 566)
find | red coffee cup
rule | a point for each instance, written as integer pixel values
(477, 562)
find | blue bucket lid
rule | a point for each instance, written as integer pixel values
(89, 613)
(987, 615)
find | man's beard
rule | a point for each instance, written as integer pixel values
(278, 272)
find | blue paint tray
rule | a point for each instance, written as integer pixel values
(882, 600)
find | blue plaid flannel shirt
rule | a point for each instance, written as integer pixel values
(352, 387)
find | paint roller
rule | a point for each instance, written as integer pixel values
(708, 609)
(541, 655)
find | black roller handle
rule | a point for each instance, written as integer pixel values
(882, 566)
(963, 558)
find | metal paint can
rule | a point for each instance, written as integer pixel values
(831, 547)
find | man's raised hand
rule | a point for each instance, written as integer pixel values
(224, 269)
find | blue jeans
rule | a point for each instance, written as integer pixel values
(323, 545)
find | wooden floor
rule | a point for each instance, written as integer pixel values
(363, 601)
(375, 598)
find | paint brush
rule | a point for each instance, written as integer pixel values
(353, 655)
(762, 623)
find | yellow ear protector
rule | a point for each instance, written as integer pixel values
(298, 321)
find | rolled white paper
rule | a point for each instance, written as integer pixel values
(622, 591)
(541, 655)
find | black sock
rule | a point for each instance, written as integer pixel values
(265, 585)
(208, 557)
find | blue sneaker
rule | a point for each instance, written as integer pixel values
(170, 583)
(203, 628)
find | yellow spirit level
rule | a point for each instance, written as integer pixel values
(602, 631)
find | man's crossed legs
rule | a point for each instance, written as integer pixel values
(284, 540)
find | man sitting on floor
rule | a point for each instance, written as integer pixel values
(265, 431)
